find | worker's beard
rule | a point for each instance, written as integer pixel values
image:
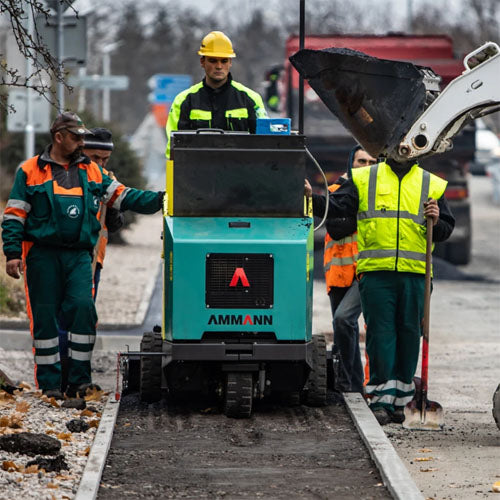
(75, 155)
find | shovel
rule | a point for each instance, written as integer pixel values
(420, 413)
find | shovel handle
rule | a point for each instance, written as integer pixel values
(427, 311)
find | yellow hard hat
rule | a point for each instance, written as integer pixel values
(216, 44)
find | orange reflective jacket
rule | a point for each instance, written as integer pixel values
(340, 256)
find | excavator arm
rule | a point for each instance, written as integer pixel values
(473, 94)
(396, 109)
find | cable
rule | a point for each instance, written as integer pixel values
(326, 189)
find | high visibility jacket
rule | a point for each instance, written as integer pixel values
(339, 258)
(391, 222)
(230, 107)
(30, 213)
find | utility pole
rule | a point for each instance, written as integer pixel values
(302, 29)
(60, 56)
(409, 16)
(29, 129)
(106, 71)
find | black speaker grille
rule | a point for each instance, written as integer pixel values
(235, 281)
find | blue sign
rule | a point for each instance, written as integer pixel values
(166, 87)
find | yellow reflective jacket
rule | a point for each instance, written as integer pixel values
(391, 222)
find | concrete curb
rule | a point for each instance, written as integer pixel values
(91, 477)
(396, 477)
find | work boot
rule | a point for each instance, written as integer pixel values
(382, 415)
(398, 416)
(53, 393)
(79, 391)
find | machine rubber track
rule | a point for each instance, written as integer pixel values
(238, 394)
(150, 381)
(317, 382)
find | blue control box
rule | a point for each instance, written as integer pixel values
(280, 126)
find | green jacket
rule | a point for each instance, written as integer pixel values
(30, 214)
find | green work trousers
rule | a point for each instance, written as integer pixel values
(60, 282)
(393, 305)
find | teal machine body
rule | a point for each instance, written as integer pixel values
(238, 270)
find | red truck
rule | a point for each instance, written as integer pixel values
(330, 142)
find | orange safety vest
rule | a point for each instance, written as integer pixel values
(101, 243)
(339, 258)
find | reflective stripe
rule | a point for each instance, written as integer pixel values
(391, 214)
(200, 114)
(384, 254)
(390, 384)
(237, 113)
(79, 338)
(49, 359)
(348, 239)
(372, 188)
(110, 191)
(391, 399)
(79, 355)
(22, 220)
(424, 195)
(46, 343)
(340, 261)
(23, 205)
(117, 203)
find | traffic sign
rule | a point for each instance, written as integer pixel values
(16, 122)
(114, 82)
(166, 87)
(75, 37)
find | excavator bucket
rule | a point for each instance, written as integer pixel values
(377, 100)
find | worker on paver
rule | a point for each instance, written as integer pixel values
(50, 227)
(217, 101)
(98, 146)
(340, 256)
(391, 201)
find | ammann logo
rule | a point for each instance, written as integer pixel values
(239, 319)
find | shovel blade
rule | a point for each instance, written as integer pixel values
(432, 419)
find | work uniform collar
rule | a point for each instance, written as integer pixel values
(44, 159)
(219, 89)
(400, 169)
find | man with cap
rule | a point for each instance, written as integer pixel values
(217, 101)
(98, 146)
(50, 227)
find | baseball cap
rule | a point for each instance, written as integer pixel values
(69, 121)
(99, 138)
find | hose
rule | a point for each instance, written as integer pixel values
(326, 188)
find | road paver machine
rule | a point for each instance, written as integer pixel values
(238, 283)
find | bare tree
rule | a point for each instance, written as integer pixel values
(31, 46)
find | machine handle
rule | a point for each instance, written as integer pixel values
(209, 130)
(481, 54)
